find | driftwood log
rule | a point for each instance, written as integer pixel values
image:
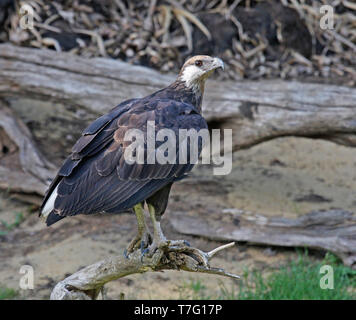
(22, 166)
(332, 230)
(87, 283)
(59, 93)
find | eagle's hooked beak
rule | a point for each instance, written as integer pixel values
(218, 63)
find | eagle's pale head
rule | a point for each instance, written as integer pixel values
(197, 69)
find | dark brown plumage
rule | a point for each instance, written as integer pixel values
(95, 178)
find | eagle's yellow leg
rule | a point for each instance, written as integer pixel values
(159, 239)
(158, 235)
(143, 237)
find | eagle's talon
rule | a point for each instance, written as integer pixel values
(158, 245)
(133, 245)
(146, 240)
(139, 242)
(153, 248)
(143, 253)
(142, 246)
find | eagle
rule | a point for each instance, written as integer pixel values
(95, 178)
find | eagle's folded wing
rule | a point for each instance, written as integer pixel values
(96, 177)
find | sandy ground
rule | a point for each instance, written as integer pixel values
(284, 177)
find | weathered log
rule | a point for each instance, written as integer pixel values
(57, 94)
(256, 110)
(332, 230)
(23, 169)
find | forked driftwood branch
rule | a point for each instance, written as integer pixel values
(87, 283)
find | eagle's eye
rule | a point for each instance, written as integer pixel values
(198, 63)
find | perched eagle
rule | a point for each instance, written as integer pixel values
(95, 178)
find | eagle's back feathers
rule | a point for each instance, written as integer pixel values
(96, 178)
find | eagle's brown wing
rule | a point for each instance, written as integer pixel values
(96, 177)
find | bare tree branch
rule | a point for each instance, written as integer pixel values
(87, 283)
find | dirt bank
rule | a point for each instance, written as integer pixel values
(284, 177)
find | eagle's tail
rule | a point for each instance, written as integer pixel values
(53, 218)
(47, 211)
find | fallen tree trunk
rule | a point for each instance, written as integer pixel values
(332, 230)
(23, 169)
(58, 94)
(256, 110)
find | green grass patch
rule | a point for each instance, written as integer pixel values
(297, 280)
(195, 290)
(7, 293)
(19, 217)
